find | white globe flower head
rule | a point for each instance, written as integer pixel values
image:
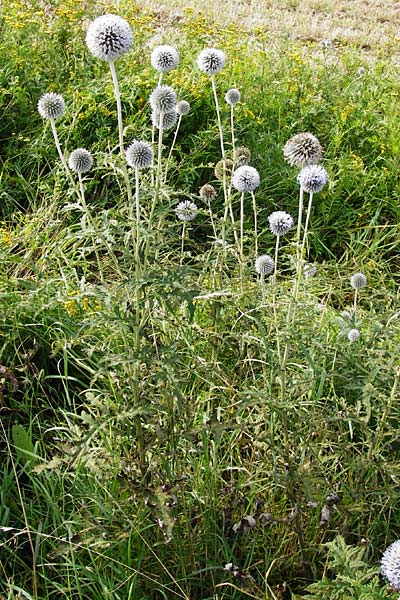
(353, 335)
(139, 154)
(358, 281)
(164, 58)
(80, 160)
(51, 106)
(312, 178)
(390, 564)
(163, 98)
(182, 108)
(211, 61)
(232, 96)
(186, 211)
(280, 222)
(264, 265)
(109, 37)
(302, 149)
(169, 119)
(245, 179)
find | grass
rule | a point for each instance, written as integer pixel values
(171, 426)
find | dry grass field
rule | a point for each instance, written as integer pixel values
(371, 24)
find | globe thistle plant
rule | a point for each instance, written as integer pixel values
(264, 265)
(208, 192)
(302, 149)
(164, 58)
(163, 121)
(80, 160)
(182, 108)
(186, 211)
(211, 61)
(353, 335)
(280, 222)
(109, 37)
(223, 168)
(139, 155)
(390, 564)
(163, 99)
(312, 178)
(232, 96)
(241, 156)
(357, 282)
(246, 179)
(51, 106)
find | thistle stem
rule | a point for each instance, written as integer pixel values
(233, 135)
(60, 153)
(276, 258)
(253, 197)
(172, 146)
(241, 224)
(183, 241)
(298, 233)
(355, 301)
(310, 199)
(137, 238)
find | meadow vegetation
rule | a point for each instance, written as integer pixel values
(173, 424)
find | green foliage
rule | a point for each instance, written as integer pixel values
(350, 576)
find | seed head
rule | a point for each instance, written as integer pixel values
(211, 61)
(245, 179)
(139, 154)
(208, 192)
(358, 281)
(280, 222)
(312, 178)
(164, 58)
(186, 211)
(163, 98)
(51, 106)
(182, 108)
(264, 264)
(169, 119)
(223, 166)
(108, 37)
(232, 96)
(390, 564)
(302, 149)
(242, 156)
(80, 160)
(353, 335)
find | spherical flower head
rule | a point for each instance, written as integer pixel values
(208, 192)
(211, 61)
(186, 211)
(164, 58)
(353, 336)
(182, 108)
(280, 222)
(302, 149)
(139, 154)
(390, 564)
(264, 264)
(169, 119)
(232, 96)
(312, 178)
(245, 179)
(358, 281)
(80, 160)
(309, 270)
(108, 37)
(51, 106)
(242, 156)
(223, 166)
(163, 98)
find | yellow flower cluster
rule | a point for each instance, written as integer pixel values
(76, 305)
